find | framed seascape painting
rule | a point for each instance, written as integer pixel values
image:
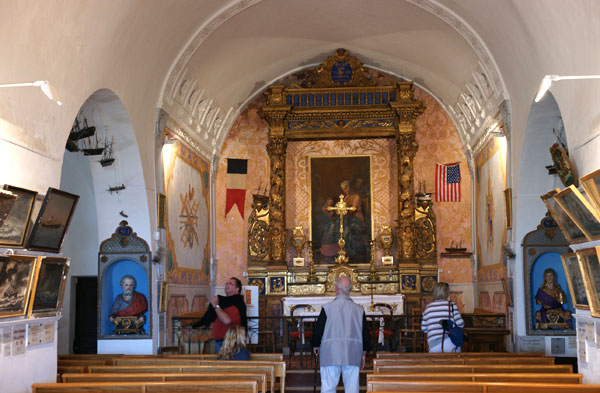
(567, 226)
(591, 184)
(49, 287)
(590, 267)
(17, 274)
(575, 281)
(53, 221)
(332, 178)
(580, 210)
(14, 226)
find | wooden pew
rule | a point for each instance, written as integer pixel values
(280, 366)
(260, 378)
(72, 369)
(268, 369)
(394, 355)
(463, 361)
(270, 357)
(91, 356)
(480, 377)
(85, 362)
(238, 386)
(477, 387)
(473, 368)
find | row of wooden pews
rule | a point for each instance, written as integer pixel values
(473, 373)
(166, 373)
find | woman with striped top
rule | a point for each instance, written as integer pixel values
(437, 311)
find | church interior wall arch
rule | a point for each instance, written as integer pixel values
(99, 210)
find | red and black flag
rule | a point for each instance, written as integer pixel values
(237, 170)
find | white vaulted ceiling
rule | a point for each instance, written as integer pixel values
(229, 51)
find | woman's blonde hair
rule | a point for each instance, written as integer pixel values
(441, 291)
(235, 341)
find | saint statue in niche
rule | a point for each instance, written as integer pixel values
(551, 297)
(128, 312)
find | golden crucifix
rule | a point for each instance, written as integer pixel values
(341, 209)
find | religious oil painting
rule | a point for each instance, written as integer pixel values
(490, 220)
(580, 211)
(590, 267)
(186, 215)
(15, 224)
(575, 281)
(53, 221)
(17, 274)
(334, 179)
(552, 306)
(567, 226)
(49, 287)
(591, 184)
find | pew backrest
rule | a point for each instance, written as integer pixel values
(477, 387)
(238, 386)
(457, 368)
(261, 378)
(395, 355)
(464, 361)
(481, 377)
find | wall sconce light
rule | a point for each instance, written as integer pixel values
(548, 79)
(47, 89)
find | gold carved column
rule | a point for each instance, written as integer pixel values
(407, 110)
(274, 113)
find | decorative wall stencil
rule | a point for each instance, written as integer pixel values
(187, 215)
(490, 216)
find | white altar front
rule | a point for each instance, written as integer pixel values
(395, 301)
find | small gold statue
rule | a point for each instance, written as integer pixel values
(386, 239)
(298, 240)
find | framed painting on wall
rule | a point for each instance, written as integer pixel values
(14, 227)
(565, 223)
(332, 178)
(575, 281)
(580, 210)
(49, 287)
(53, 221)
(590, 267)
(17, 274)
(591, 184)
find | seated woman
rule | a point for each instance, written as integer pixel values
(234, 345)
(551, 296)
(437, 311)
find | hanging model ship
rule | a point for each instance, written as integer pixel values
(107, 154)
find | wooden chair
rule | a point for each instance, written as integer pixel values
(412, 337)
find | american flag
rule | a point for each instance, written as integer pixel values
(447, 182)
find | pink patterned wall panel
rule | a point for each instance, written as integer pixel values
(485, 301)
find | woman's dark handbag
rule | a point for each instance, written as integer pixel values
(454, 332)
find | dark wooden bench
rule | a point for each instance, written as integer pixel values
(394, 355)
(463, 361)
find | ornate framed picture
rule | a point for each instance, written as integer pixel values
(575, 281)
(164, 294)
(568, 227)
(591, 184)
(590, 267)
(14, 226)
(53, 221)
(564, 167)
(49, 287)
(348, 178)
(580, 210)
(17, 273)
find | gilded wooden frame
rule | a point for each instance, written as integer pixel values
(567, 226)
(49, 288)
(591, 184)
(17, 276)
(575, 280)
(590, 267)
(580, 211)
(13, 232)
(326, 173)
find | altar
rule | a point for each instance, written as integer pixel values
(316, 302)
